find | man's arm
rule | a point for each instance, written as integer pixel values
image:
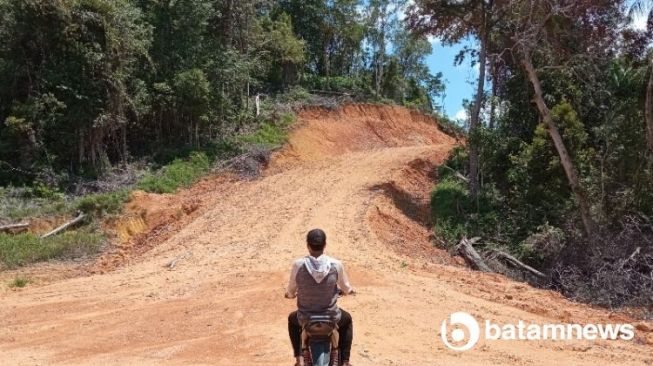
(291, 290)
(343, 280)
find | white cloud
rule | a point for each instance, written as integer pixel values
(461, 115)
(401, 10)
(639, 21)
(434, 40)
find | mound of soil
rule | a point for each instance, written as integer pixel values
(326, 133)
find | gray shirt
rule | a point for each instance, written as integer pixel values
(315, 282)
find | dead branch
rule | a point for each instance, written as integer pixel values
(630, 258)
(9, 227)
(470, 255)
(171, 265)
(64, 226)
(457, 173)
(329, 92)
(515, 262)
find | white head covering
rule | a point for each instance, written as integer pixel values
(318, 267)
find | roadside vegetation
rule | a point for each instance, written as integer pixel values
(21, 249)
(38, 201)
(19, 282)
(558, 167)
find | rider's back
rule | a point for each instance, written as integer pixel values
(317, 298)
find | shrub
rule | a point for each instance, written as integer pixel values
(179, 173)
(449, 201)
(103, 203)
(456, 214)
(19, 250)
(342, 84)
(19, 203)
(268, 135)
(295, 94)
(19, 282)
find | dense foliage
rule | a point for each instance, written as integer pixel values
(566, 178)
(89, 84)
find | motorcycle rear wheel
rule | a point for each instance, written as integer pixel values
(334, 358)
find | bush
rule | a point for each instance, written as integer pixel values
(456, 214)
(294, 94)
(268, 135)
(21, 249)
(19, 282)
(449, 205)
(19, 203)
(179, 173)
(449, 200)
(341, 84)
(103, 203)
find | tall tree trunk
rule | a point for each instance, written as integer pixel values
(476, 112)
(380, 60)
(326, 61)
(123, 141)
(648, 112)
(565, 159)
(229, 23)
(493, 102)
(81, 154)
(197, 134)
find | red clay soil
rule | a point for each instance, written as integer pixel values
(362, 173)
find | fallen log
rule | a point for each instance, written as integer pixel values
(497, 254)
(466, 249)
(22, 225)
(64, 226)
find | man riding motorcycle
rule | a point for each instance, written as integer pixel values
(317, 280)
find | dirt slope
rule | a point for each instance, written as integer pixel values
(361, 173)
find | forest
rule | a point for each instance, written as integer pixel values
(90, 84)
(557, 166)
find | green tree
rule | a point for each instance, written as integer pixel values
(452, 21)
(286, 52)
(332, 31)
(80, 54)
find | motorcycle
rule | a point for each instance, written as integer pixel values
(320, 341)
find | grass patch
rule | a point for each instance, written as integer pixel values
(100, 204)
(179, 173)
(21, 249)
(268, 135)
(19, 282)
(19, 203)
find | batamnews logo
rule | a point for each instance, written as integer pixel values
(461, 331)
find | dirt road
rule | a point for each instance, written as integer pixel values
(363, 175)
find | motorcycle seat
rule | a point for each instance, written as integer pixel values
(320, 326)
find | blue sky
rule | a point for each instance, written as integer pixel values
(461, 80)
